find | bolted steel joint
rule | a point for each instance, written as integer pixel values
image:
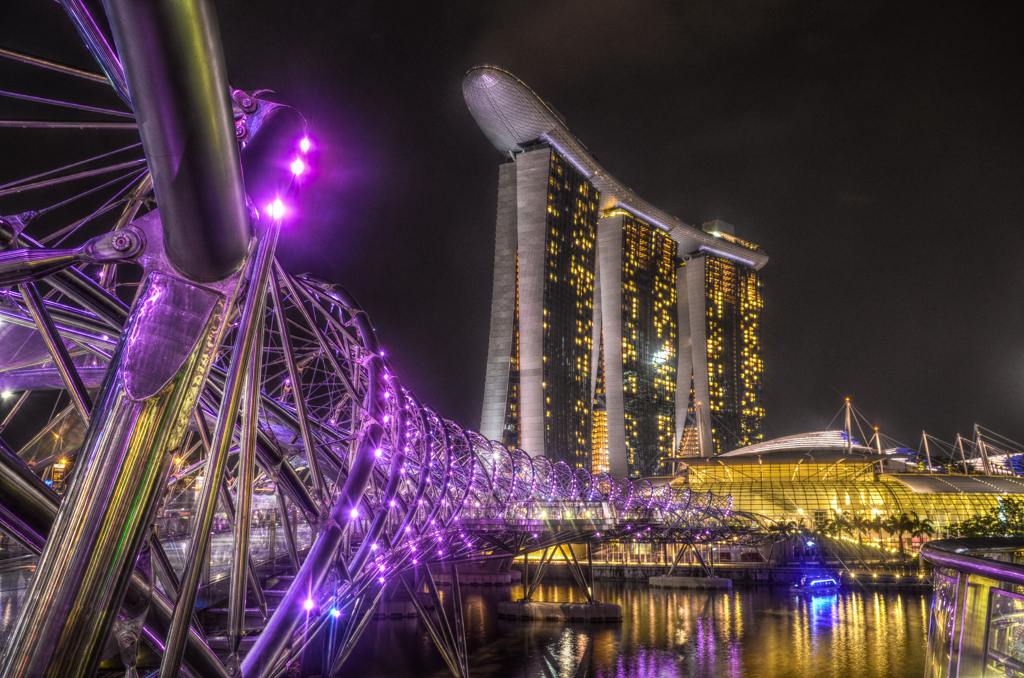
(244, 101)
(121, 242)
(121, 245)
(240, 130)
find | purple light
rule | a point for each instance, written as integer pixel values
(305, 144)
(380, 579)
(309, 604)
(354, 513)
(298, 167)
(276, 209)
(335, 612)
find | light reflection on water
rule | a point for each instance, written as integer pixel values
(763, 632)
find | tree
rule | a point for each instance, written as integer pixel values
(1005, 519)
(899, 525)
(783, 530)
(862, 524)
(922, 527)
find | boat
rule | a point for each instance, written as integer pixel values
(816, 584)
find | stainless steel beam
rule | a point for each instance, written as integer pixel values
(250, 325)
(140, 416)
(174, 65)
(52, 66)
(244, 479)
(297, 391)
(97, 43)
(58, 351)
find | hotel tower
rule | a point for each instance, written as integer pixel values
(613, 324)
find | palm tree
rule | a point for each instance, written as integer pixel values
(844, 524)
(899, 525)
(781, 531)
(862, 524)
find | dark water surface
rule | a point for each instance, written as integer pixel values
(752, 631)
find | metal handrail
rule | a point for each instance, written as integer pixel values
(957, 554)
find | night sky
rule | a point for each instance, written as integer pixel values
(874, 150)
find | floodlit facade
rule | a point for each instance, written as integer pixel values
(812, 476)
(721, 363)
(605, 308)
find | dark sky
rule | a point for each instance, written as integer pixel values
(873, 149)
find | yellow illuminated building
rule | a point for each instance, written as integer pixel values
(810, 478)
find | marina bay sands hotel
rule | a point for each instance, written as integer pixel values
(614, 326)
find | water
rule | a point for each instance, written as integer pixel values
(752, 631)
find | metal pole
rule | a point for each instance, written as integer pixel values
(14, 410)
(98, 46)
(708, 571)
(963, 457)
(297, 394)
(927, 454)
(984, 453)
(526, 575)
(59, 352)
(849, 430)
(700, 432)
(250, 326)
(460, 627)
(679, 556)
(590, 567)
(243, 502)
(174, 65)
(289, 536)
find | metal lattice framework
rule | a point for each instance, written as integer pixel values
(226, 392)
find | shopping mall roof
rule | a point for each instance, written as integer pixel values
(819, 447)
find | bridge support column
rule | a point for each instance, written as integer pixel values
(449, 636)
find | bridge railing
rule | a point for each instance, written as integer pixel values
(977, 619)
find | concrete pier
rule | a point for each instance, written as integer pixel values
(536, 611)
(689, 583)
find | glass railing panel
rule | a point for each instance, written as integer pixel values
(1005, 648)
(940, 632)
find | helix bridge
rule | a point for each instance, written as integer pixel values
(179, 400)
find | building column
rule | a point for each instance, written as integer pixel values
(696, 286)
(532, 171)
(684, 352)
(503, 299)
(609, 250)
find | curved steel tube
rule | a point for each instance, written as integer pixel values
(174, 65)
(956, 554)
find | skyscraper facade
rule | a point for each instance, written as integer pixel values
(637, 314)
(613, 324)
(721, 368)
(539, 385)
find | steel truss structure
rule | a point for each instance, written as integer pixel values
(229, 393)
